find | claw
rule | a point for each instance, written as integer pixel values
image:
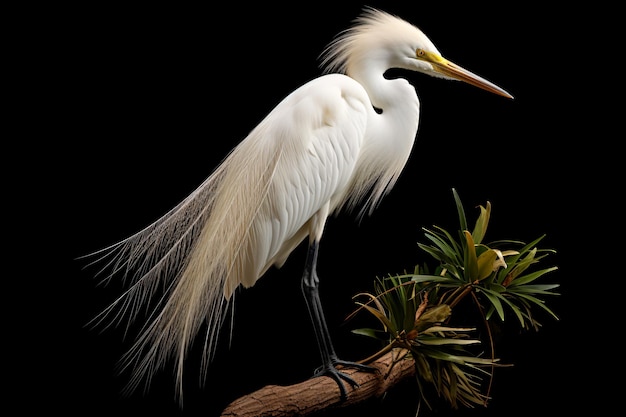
(331, 371)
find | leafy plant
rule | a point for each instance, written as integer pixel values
(416, 309)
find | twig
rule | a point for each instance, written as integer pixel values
(316, 394)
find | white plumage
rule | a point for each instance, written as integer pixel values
(339, 141)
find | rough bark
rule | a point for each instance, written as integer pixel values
(315, 394)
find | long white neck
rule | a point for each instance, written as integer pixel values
(396, 98)
(391, 129)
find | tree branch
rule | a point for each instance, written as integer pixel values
(315, 394)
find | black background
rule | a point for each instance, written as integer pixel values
(134, 106)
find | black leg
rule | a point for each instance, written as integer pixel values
(310, 288)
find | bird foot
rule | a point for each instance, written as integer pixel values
(330, 370)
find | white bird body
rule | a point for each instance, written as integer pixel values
(340, 140)
(323, 138)
(318, 131)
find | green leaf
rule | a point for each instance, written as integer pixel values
(497, 288)
(423, 368)
(494, 298)
(456, 249)
(434, 252)
(539, 303)
(543, 289)
(381, 317)
(530, 277)
(373, 333)
(436, 314)
(499, 298)
(436, 341)
(486, 262)
(480, 229)
(470, 261)
(447, 252)
(460, 210)
(459, 359)
(436, 329)
(431, 278)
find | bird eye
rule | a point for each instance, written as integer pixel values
(420, 52)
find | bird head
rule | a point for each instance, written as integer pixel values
(379, 41)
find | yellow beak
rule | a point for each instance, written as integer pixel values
(450, 69)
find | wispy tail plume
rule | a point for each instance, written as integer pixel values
(184, 267)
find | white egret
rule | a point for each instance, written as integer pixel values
(338, 142)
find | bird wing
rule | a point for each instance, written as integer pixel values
(275, 188)
(318, 132)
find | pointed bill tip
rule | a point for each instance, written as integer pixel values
(459, 73)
